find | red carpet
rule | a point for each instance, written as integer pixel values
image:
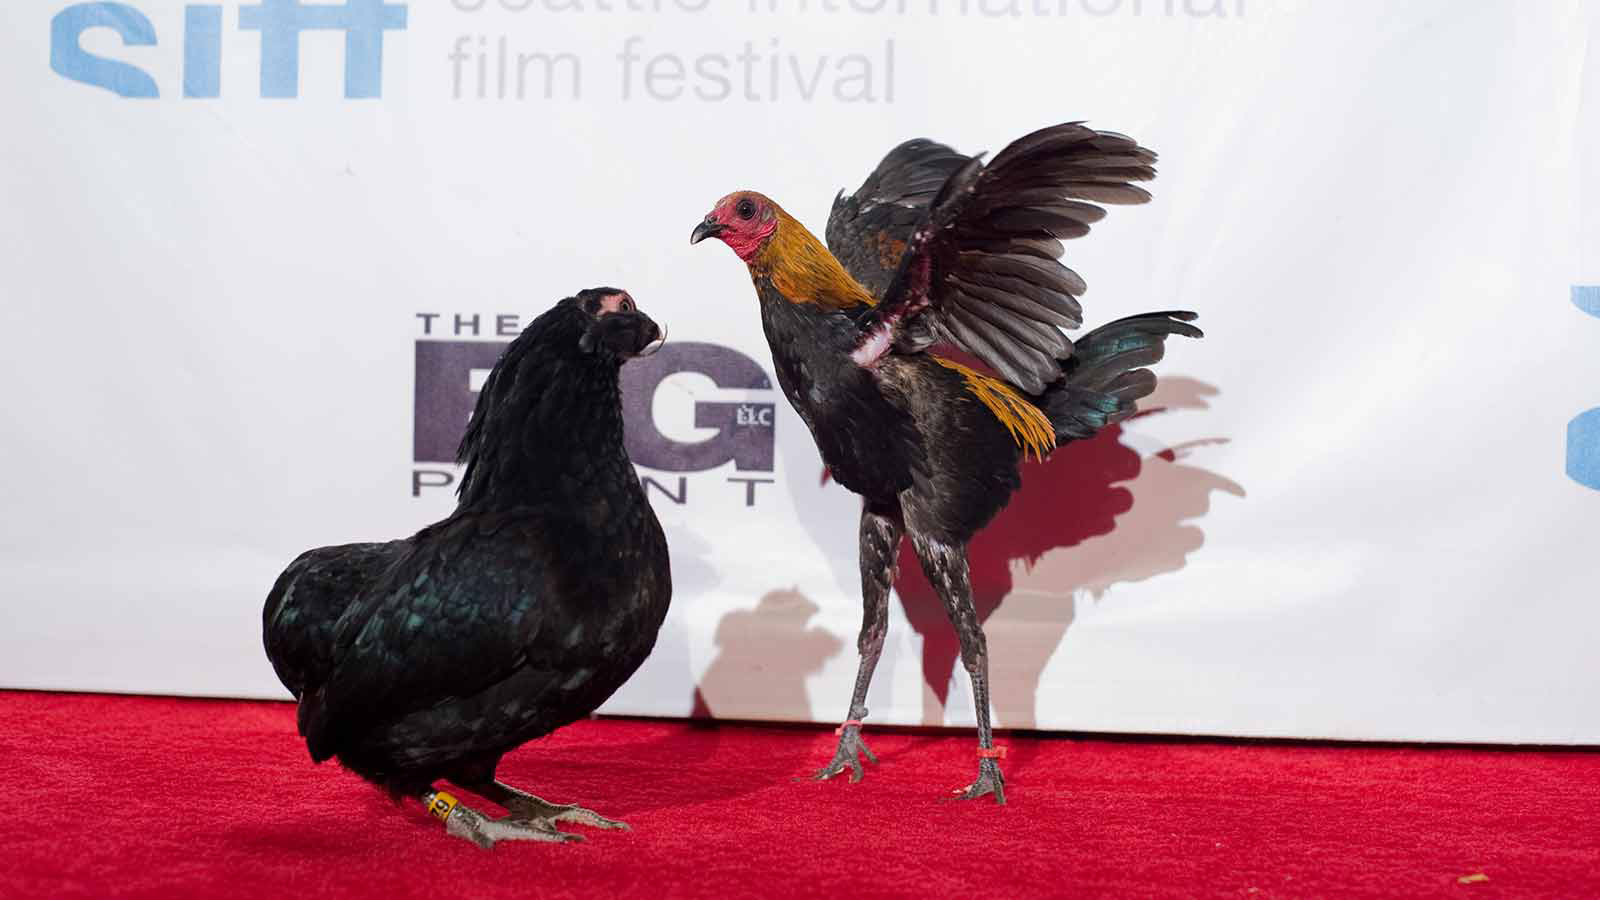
(150, 797)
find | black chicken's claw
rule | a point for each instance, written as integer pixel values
(851, 749)
(581, 816)
(530, 810)
(467, 823)
(990, 781)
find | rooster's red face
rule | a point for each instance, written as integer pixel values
(744, 220)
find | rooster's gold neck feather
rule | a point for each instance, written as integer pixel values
(803, 270)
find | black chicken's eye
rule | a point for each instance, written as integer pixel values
(627, 304)
(746, 209)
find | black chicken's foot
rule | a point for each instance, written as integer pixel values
(851, 748)
(522, 806)
(990, 781)
(463, 821)
(527, 808)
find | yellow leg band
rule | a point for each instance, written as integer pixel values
(441, 805)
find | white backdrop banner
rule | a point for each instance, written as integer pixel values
(259, 255)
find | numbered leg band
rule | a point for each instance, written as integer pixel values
(440, 804)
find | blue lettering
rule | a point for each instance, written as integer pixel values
(1583, 432)
(362, 21)
(1587, 298)
(70, 60)
(1583, 449)
(202, 51)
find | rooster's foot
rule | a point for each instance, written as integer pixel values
(990, 781)
(851, 749)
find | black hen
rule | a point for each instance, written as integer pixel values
(429, 658)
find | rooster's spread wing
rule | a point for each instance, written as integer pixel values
(981, 269)
(868, 231)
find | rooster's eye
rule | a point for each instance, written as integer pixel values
(746, 209)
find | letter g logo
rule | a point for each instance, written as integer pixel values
(744, 430)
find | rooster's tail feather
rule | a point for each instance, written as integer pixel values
(1106, 376)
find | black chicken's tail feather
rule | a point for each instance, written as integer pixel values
(301, 618)
(315, 726)
(1106, 376)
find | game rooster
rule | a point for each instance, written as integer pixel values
(935, 247)
(427, 659)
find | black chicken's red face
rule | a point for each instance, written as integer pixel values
(602, 301)
(744, 220)
(617, 328)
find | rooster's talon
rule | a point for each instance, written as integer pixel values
(851, 749)
(990, 781)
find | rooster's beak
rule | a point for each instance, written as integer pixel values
(709, 228)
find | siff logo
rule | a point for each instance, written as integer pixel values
(279, 21)
(1583, 432)
(449, 373)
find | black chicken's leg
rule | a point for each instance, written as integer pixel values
(529, 819)
(463, 821)
(880, 546)
(946, 568)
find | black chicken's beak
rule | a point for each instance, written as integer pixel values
(709, 228)
(651, 331)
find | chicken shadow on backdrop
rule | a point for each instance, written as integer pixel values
(747, 679)
(1093, 515)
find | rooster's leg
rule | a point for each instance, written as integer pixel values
(880, 545)
(946, 568)
(463, 821)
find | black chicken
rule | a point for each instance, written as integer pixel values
(936, 247)
(429, 658)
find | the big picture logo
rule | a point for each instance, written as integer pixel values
(450, 370)
(280, 23)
